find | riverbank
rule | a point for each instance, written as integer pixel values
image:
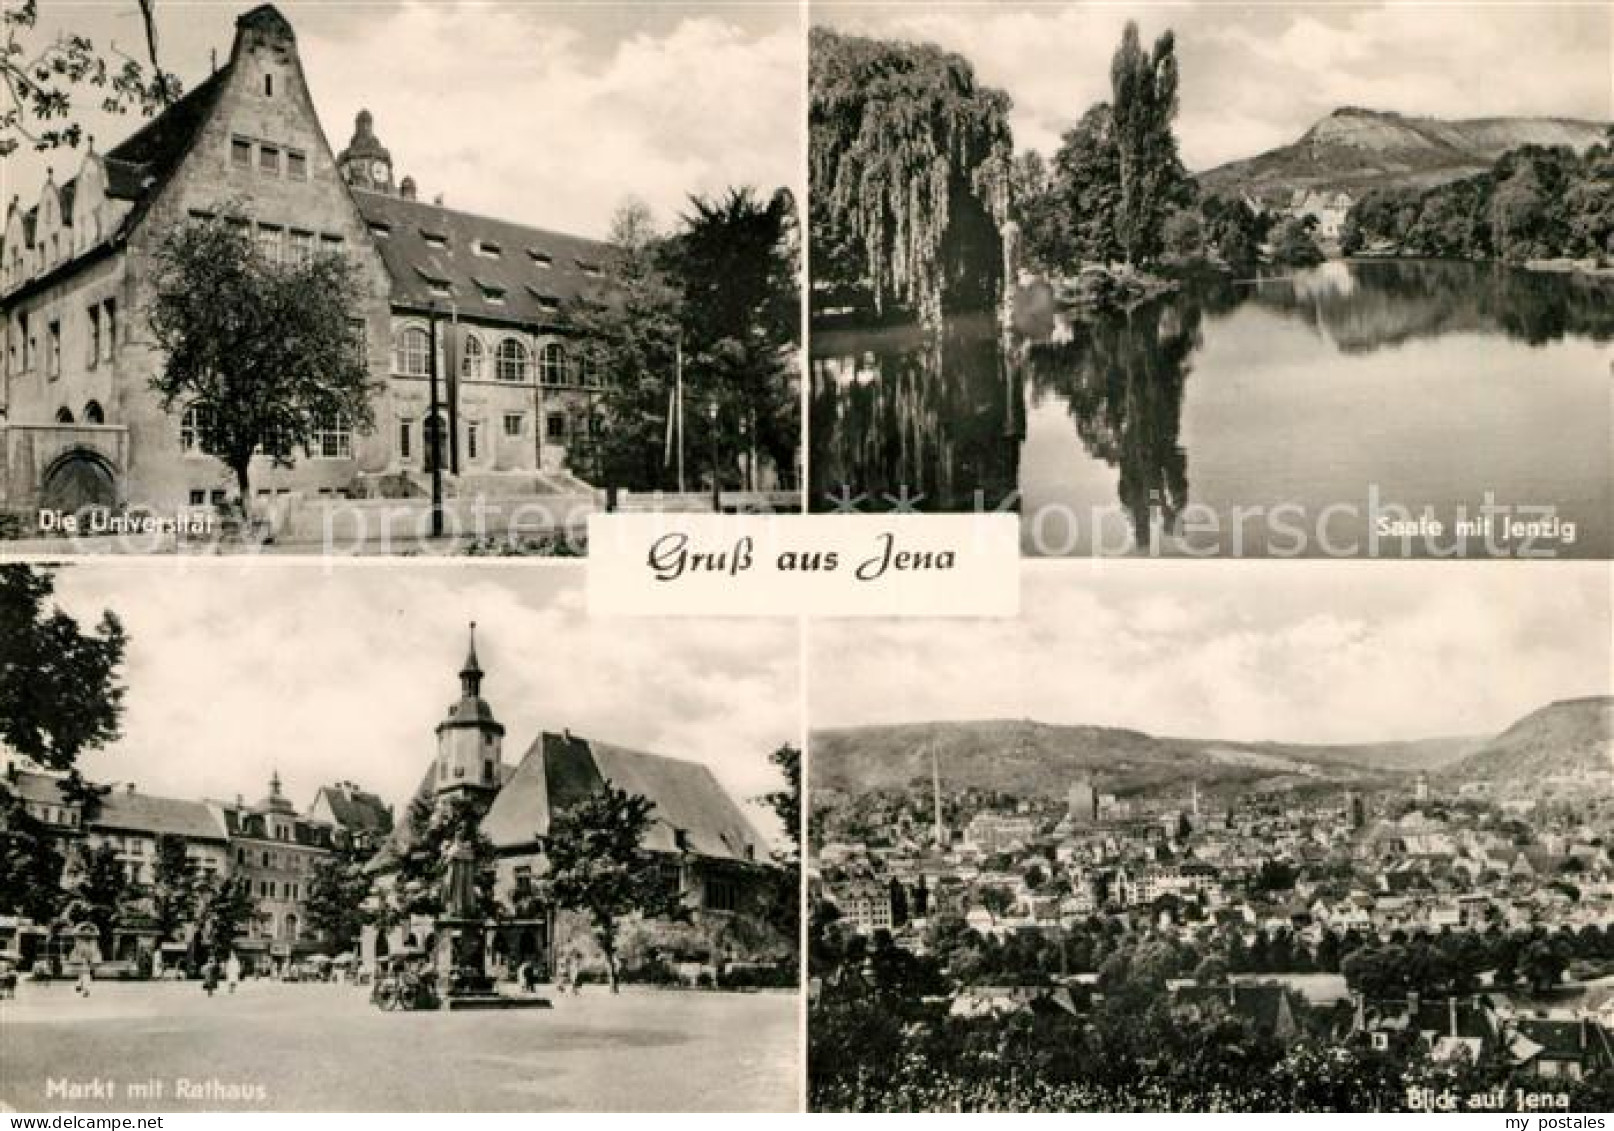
(1562, 265)
(1588, 268)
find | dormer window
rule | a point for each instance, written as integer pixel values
(437, 241)
(380, 229)
(591, 269)
(547, 302)
(540, 258)
(491, 292)
(487, 249)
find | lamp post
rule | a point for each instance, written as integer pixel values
(434, 430)
(717, 486)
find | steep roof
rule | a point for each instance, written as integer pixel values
(535, 271)
(356, 810)
(43, 789)
(693, 813)
(144, 160)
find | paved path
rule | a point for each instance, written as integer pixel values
(319, 1047)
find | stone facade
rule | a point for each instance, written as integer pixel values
(79, 422)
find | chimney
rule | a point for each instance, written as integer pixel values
(406, 188)
(438, 200)
(128, 787)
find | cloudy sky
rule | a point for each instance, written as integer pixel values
(236, 671)
(549, 114)
(1256, 76)
(1286, 651)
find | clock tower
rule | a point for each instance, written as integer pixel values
(469, 741)
(365, 163)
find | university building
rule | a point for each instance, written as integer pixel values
(707, 848)
(477, 302)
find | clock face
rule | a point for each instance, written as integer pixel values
(378, 170)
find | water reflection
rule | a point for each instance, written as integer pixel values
(932, 420)
(1424, 378)
(1122, 379)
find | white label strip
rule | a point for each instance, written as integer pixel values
(661, 564)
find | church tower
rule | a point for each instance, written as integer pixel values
(470, 740)
(365, 163)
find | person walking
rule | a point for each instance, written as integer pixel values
(210, 976)
(85, 977)
(232, 971)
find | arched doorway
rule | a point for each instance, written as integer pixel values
(93, 413)
(436, 438)
(77, 479)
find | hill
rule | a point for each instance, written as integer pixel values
(1354, 149)
(1030, 759)
(1569, 743)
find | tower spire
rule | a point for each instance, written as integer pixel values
(935, 781)
(471, 673)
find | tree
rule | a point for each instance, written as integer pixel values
(909, 176)
(336, 894)
(42, 81)
(784, 905)
(1143, 90)
(30, 865)
(1543, 964)
(734, 264)
(632, 334)
(99, 891)
(598, 866)
(174, 886)
(1293, 245)
(227, 908)
(263, 355)
(786, 803)
(417, 882)
(1087, 177)
(60, 693)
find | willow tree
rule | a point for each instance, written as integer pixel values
(910, 169)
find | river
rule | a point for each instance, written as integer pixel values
(1354, 409)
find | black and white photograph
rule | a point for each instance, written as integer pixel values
(1260, 838)
(1217, 280)
(407, 277)
(461, 848)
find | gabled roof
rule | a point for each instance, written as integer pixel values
(356, 810)
(693, 813)
(535, 272)
(145, 160)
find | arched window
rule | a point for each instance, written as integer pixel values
(512, 359)
(552, 365)
(93, 413)
(411, 355)
(64, 415)
(472, 357)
